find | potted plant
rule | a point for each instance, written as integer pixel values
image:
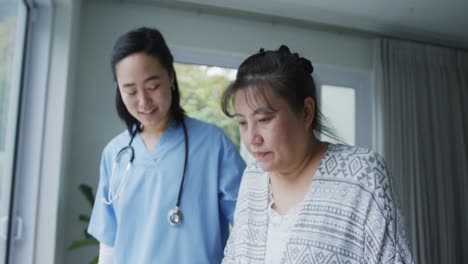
(88, 240)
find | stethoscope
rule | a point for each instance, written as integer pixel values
(174, 216)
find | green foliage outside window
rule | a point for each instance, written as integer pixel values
(7, 38)
(201, 88)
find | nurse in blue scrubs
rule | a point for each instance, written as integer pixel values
(168, 184)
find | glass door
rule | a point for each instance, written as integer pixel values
(12, 25)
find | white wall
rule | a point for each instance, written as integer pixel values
(93, 119)
(61, 91)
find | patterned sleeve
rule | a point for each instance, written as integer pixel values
(234, 244)
(385, 235)
(230, 248)
(229, 256)
(231, 166)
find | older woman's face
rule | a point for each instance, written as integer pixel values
(274, 134)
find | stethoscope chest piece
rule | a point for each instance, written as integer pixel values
(174, 217)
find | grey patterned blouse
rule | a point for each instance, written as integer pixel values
(348, 215)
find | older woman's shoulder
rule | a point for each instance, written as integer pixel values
(355, 165)
(253, 174)
(355, 154)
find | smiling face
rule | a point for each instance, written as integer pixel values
(145, 88)
(275, 135)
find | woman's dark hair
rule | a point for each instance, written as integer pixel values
(287, 74)
(151, 42)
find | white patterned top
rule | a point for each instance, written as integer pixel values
(279, 227)
(348, 215)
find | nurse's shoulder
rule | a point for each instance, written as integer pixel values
(116, 144)
(203, 131)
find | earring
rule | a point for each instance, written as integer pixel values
(173, 87)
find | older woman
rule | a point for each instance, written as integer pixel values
(304, 200)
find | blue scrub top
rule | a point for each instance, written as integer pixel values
(136, 223)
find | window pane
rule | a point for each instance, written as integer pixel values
(201, 87)
(10, 58)
(339, 108)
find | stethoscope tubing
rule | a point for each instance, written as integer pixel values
(181, 187)
(113, 197)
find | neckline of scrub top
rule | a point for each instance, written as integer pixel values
(172, 133)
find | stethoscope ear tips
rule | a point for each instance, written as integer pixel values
(174, 217)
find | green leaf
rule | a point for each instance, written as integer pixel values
(86, 234)
(87, 191)
(95, 260)
(83, 243)
(84, 218)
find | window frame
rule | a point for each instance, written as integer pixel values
(205, 57)
(14, 95)
(359, 80)
(30, 132)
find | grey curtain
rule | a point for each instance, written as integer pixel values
(421, 129)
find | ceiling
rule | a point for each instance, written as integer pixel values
(434, 21)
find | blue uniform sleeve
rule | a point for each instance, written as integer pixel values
(103, 224)
(231, 167)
